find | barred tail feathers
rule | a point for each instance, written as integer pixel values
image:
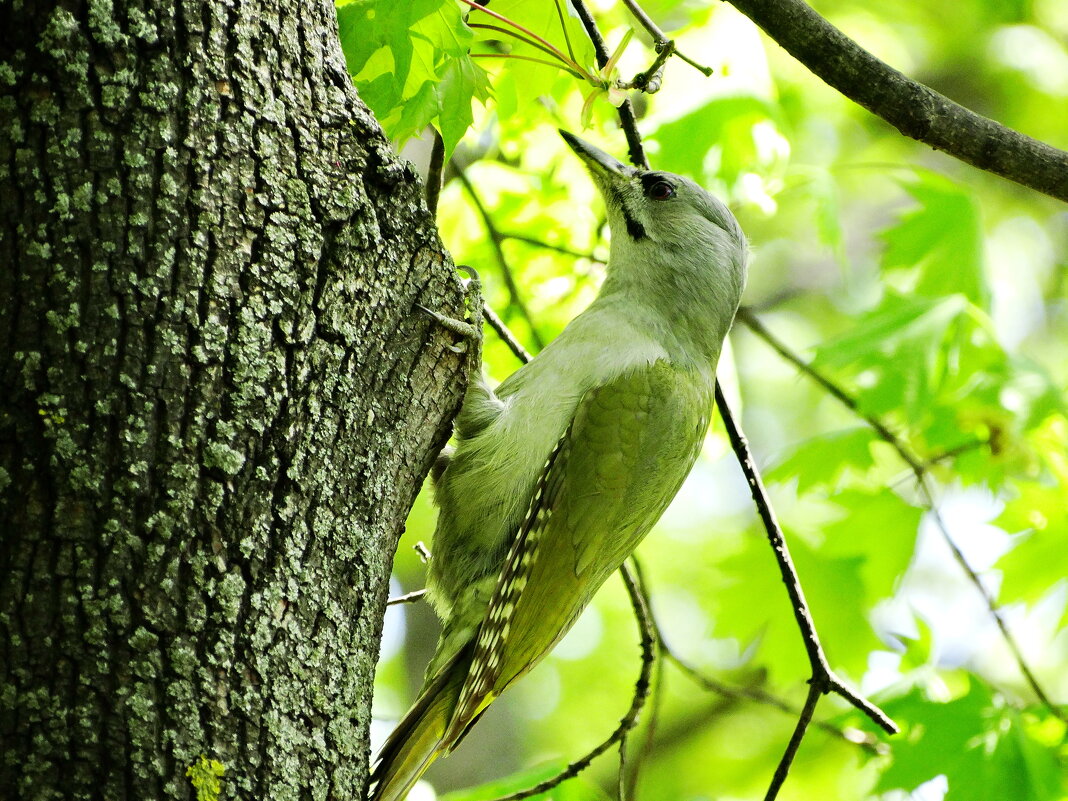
(418, 739)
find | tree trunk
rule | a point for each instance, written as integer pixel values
(218, 398)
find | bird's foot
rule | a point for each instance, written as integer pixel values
(468, 330)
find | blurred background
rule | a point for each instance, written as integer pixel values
(932, 294)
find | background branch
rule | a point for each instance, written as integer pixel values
(915, 110)
(823, 678)
(919, 468)
(783, 768)
(630, 719)
(660, 40)
(529, 240)
(496, 239)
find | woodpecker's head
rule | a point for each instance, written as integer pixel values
(674, 246)
(661, 210)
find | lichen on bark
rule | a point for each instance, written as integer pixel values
(219, 401)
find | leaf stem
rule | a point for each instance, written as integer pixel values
(570, 62)
(529, 58)
(514, 35)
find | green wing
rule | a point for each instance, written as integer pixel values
(623, 458)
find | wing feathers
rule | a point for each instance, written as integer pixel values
(496, 625)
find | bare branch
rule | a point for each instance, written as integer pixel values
(919, 470)
(626, 110)
(783, 768)
(496, 239)
(915, 110)
(759, 696)
(823, 678)
(660, 41)
(407, 598)
(658, 682)
(497, 324)
(529, 240)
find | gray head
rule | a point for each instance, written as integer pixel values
(658, 208)
(669, 233)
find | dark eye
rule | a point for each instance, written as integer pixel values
(661, 190)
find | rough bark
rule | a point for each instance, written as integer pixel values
(218, 399)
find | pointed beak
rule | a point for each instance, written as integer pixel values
(600, 164)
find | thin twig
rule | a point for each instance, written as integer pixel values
(658, 681)
(407, 598)
(650, 80)
(626, 111)
(783, 768)
(919, 471)
(956, 450)
(660, 41)
(823, 677)
(757, 695)
(530, 240)
(497, 324)
(496, 239)
(630, 719)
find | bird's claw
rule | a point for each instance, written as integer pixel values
(468, 330)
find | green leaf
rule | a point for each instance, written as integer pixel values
(461, 80)
(726, 124)
(822, 460)
(933, 361)
(986, 750)
(938, 243)
(879, 528)
(1039, 515)
(411, 66)
(751, 606)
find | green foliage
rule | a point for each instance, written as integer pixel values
(823, 459)
(991, 751)
(934, 296)
(411, 65)
(206, 777)
(939, 243)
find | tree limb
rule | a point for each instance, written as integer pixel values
(496, 238)
(915, 110)
(919, 470)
